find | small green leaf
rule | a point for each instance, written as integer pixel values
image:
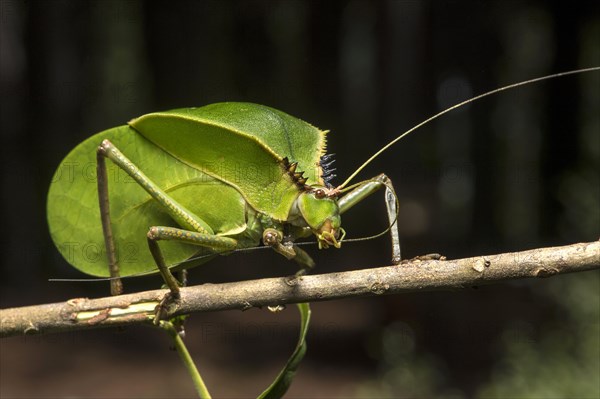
(283, 381)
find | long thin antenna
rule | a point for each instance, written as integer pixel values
(512, 86)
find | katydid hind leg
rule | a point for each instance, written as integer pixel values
(184, 217)
(197, 231)
(116, 285)
(391, 202)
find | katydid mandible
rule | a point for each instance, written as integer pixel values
(206, 181)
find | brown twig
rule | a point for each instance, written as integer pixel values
(416, 275)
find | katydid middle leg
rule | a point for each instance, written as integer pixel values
(391, 202)
(157, 233)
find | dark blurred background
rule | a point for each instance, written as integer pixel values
(513, 172)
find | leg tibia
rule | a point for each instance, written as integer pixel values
(391, 202)
(116, 286)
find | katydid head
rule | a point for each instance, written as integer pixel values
(321, 212)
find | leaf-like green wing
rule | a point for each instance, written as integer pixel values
(74, 216)
(284, 134)
(242, 144)
(283, 381)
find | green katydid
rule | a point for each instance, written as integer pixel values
(205, 180)
(222, 177)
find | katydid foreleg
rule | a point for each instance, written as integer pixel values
(391, 202)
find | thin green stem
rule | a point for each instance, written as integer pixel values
(186, 358)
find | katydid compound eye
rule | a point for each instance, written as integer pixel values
(320, 193)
